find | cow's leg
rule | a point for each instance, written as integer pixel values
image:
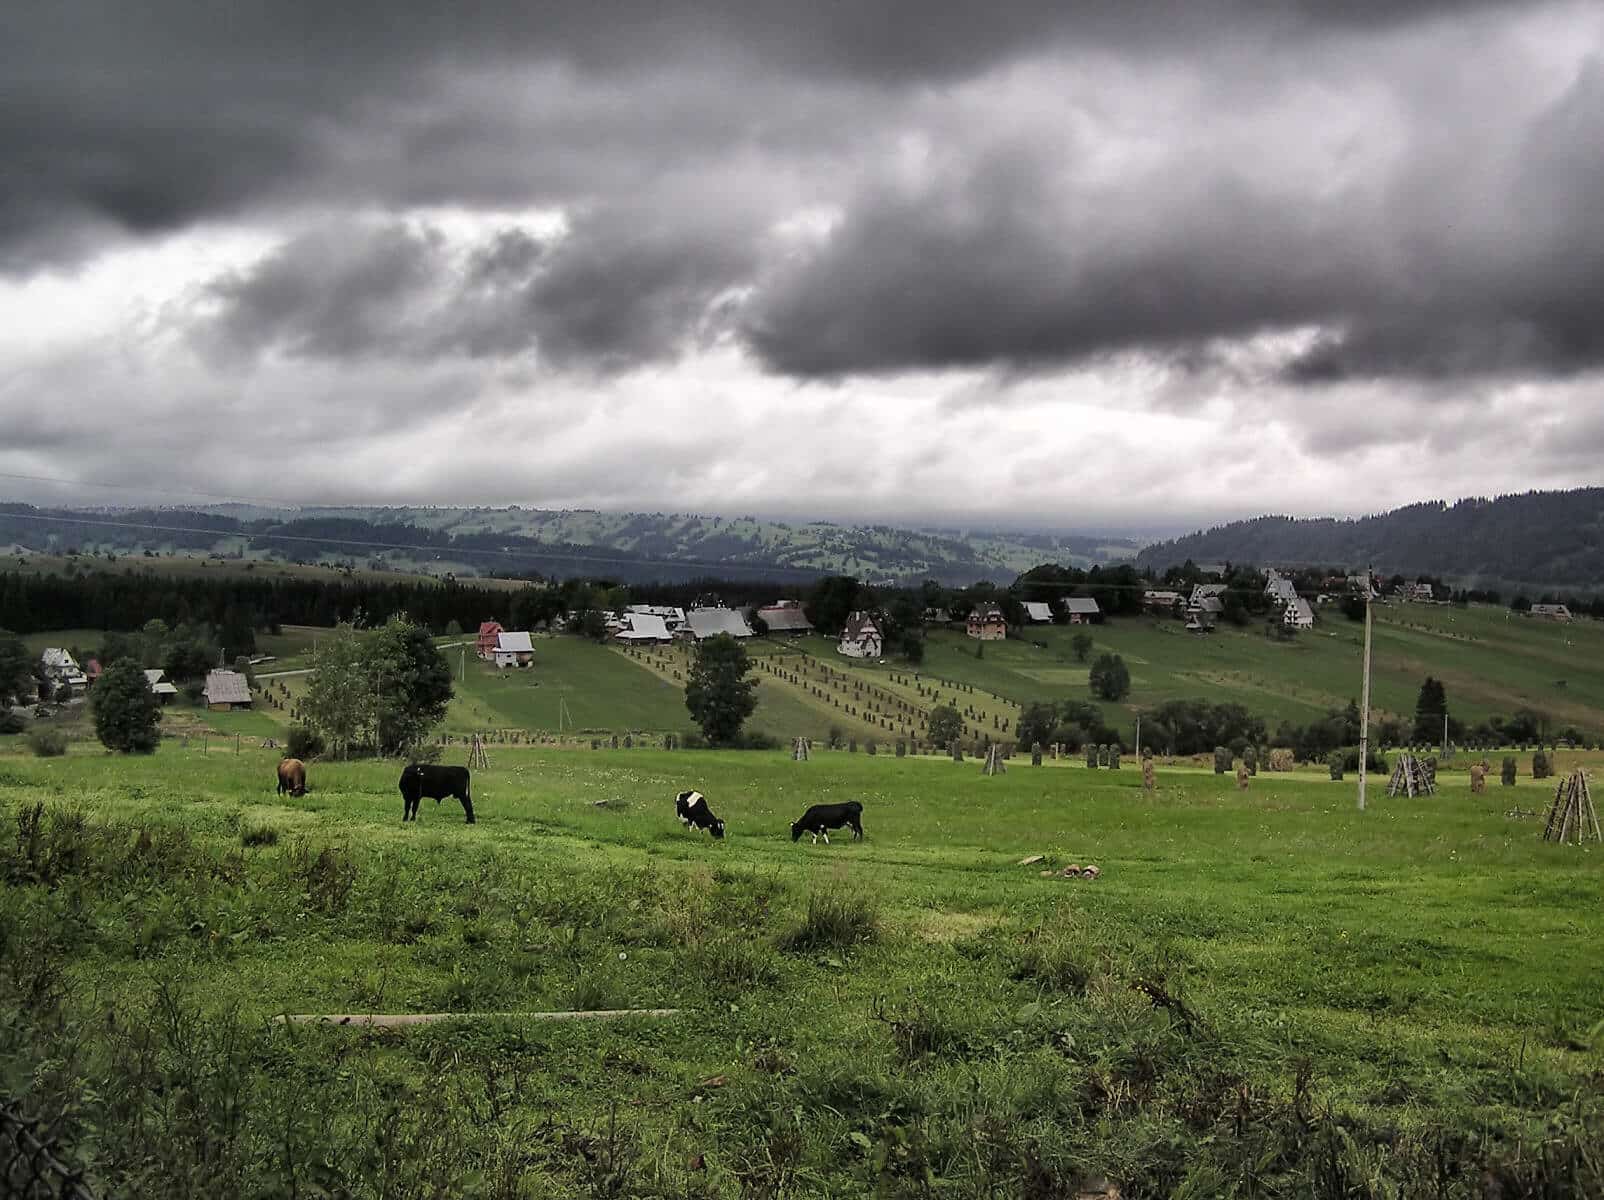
(815, 837)
(826, 837)
(467, 806)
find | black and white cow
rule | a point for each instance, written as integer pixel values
(822, 818)
(691, 808)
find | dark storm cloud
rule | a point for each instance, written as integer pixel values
(619, 289)
(676, 136)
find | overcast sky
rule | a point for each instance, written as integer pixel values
(1102, 265)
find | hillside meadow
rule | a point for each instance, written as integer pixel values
(1264, 993)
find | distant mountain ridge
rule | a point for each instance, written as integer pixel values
(626, 546)
(1534, 540)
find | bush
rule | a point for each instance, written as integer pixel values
(303, 743)
(1334, 761)
(1222, 760)
(1250, 759)
(870, 747)
(47, 743)
(1542, 765)
(1113, 756)
(10, 722)
(833, 922)
(1091, 756)
(1507, 774)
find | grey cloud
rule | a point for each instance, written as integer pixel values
(148, 117)
(621, 288)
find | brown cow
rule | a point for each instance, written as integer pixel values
(292, 777)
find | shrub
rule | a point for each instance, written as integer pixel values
(870, 746)
(1507, 774)
(10, 722)
(833, 922)
(1542, 765)
(47, 743)
(1091, 756)
(1113, 756)
(834, 738)
(303, 743)
(1334, 762)
(1222, 760)
(1250, 759)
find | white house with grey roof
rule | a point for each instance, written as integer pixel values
(703, 623)
(513, 649)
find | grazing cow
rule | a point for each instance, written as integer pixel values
(822, 818)
(292, 777)
(421, 779)
(691, 808)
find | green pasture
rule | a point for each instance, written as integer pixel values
(1265, 992)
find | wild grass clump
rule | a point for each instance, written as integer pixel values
(47, 743)
(833, 923)
(1055, 959)
(258, 835)
(736, 963)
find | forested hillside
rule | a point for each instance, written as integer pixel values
(1538, 540)
(633, 547)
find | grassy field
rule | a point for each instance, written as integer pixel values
(1265, 993)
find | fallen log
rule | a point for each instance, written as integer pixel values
(397, 1020)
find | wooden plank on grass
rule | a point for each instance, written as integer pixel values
(396, 1020)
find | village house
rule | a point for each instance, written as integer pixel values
(1421, 592)
(61, 668)
(1298, 614)
(1553, 612)
(163, 688)
(489, 631)
(785, 617)
(644, 629)
(986, 624)
(1364, 585)
(1160, 600)
(1037, 612)
(861, 637)
(703, 623)
(226, 690)
(513, 649)
(1205, 603)
(1082, 610)
(1278, 588)
(673, 618)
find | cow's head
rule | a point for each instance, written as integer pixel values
(796, 830)
(718, 829)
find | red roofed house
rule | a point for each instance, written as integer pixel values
(489, 633)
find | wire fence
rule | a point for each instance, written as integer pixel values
(31, 1162)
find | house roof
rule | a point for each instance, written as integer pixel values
(59, 659)
(156, 679)
(489, 626)
(1299, 608)
(710, 622)
(644, 627)
(514, 643)
(1206, 589)
(227, 687)
(1037, 610)
(1081, 605)
(986, 612)
(858, 626)
(784, 618)
(1161, 597)
(1211, 604)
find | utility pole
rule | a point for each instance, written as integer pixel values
(1138, 737)
(462, 672)
(1445, 735)
(1364, 701)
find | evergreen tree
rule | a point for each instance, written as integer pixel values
(718, 693)
(126, 710)
(1430, 708)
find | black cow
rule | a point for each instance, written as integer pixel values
(691, 807)
(421, 779)
(821, 818)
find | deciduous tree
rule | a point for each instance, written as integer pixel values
(126, 710)
(718, 693)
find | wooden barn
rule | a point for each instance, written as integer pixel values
(227, 690)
